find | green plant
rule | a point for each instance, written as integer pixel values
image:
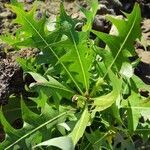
(87, 96)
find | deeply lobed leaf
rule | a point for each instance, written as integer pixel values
(121, 46)
(34, 125)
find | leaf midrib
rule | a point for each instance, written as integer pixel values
(80, 127)
(55, 87)
(80, 62)
(37, 128)
(122, 45)
(79, 58)
(76, 137)
(72, 78)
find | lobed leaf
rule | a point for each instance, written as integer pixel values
(32, 34)
(136, 107)
(121, 46)
(90, 15)
(34, 125)
(78, 55)
(77, 58)
(52, 85)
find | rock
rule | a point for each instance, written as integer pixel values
(144, 55)
(3, 15)
(21, 1)
(29, 1)
(143, 71)
(145, 7)
(127, 5)
(142, 50)
(101, 24)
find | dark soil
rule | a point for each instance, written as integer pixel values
(11, 77)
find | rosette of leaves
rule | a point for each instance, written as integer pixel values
(68, 80)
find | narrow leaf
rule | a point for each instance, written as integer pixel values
(64, 143)
(80, 127)
(51, 84)
(90, 15)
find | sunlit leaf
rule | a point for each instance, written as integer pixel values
(103, 102)
(64, 143)
(80, 126)
(121, 46)
(90, 15)
(50, 85)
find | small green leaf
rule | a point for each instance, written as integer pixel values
(90, 15)
(41, 100)
(96, 138)
(140, 84)
(133, 114)
(26, 64)
(103, 102)
(145, 109)
(127, 70)
(136, 107)
(12, 110)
